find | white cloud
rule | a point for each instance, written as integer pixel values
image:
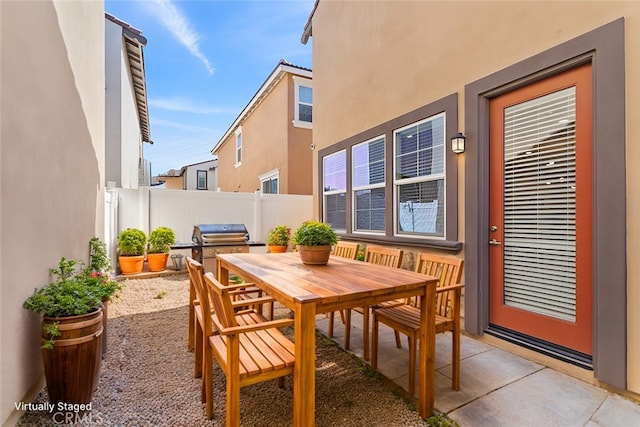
(186, 105)
(179, 125)
(178, 24)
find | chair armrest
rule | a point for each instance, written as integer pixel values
(449, 288)
(240, 292)
(252, 301)
(254, 327)
(239, 286)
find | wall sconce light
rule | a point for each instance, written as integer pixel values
(457, 143)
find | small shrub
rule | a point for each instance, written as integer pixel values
(132, 242)
(75, 290)
(160, 240)
(279, 235)
(314, 233)
(98, 258)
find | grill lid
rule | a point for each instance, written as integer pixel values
(219, 233)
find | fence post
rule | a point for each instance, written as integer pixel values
(257, 216)
(111, 197)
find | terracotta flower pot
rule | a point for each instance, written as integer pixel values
(157, 262)
(131, 264)
(314, 255)
(277, 248)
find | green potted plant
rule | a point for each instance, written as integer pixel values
(72, 325)
(278, 238)
(314, 240)
(131, 246)
(160, 241)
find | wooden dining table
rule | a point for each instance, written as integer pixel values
(309, 290)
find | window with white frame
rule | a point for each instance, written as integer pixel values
(334, 184)
(269, 182)
(368, 165)
(238, 147)
(201, 183)
(419, 182)
(303, 102)
(270, 186)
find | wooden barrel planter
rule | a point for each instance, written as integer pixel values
(72, 367)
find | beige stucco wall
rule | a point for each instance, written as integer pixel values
(269, 142)
(52, 145)
(299, 150)
(173, 182)
(391, 57)
(264, 135)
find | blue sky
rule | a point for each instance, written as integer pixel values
(204, 60)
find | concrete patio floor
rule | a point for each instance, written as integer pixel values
(500, 387)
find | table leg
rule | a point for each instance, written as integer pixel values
(304, 375)
(427, 351)
(223, 274)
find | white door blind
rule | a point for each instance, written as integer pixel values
(540, 205)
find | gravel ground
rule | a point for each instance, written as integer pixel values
(147, 374)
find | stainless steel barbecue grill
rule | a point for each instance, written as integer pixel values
(210, 240)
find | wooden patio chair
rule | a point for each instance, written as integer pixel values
(247, 316)
(345, 250)
(406, 318)
(379, 255)
(194, 300)
(247, 354)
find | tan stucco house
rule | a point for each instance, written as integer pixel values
(172, 180)
(542, 203)
(268, 146)
(195, 176)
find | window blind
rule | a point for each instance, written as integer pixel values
(420, 177)
(368, 161)
(334, 181)
(540, 205)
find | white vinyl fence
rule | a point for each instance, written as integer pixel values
(147, 208)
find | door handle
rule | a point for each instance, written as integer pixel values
(494, 242)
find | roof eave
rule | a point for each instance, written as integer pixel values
(308, 27)
(134, 42)
(135, 56)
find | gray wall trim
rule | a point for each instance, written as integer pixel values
(604, 48)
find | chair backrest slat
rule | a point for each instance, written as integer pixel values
(379, 255)
(222, 301)
(346, 250)
(448, 270)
